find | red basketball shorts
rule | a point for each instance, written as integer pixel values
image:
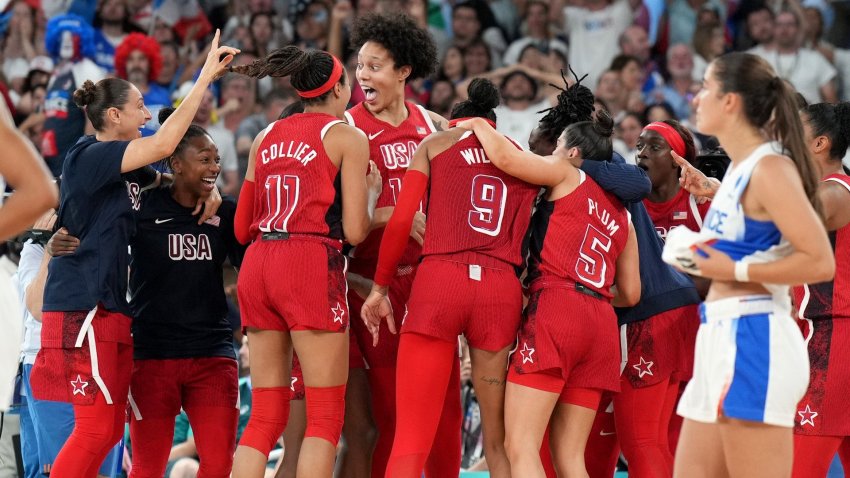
(823, 411)
(386, 352)
(465, 293)
(571, 332)
(661, 346)
(159, 388)
(294, 284)
(83, 353)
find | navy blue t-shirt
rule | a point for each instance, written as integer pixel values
(663, 288)
(176, 284)
(96, 205)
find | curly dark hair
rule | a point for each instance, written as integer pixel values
(408, 44)
(575, 104)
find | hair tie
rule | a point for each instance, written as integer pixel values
(669, 133)
(336, 74)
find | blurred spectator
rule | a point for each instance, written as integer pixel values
(813, 34)
(228, 180)
(23, 42)
(262, 31)
(759, 27)
(658, 112)
(70, 42)
(418, 10)
(807, 70)
(477, 58)
(172, 66)
(683, 17)
(520, 110)
(680, 90)
(627, 132)
(594, 30)
(41, 68)
(472, 20)
(507, 17)
(609, 90)
(250, 127)
(311, 25)
(709, 42)
(635, 42)
(452, 67)
(138, 60)
(537, 32)
(238, 99)
(631, 81)
(442, 98)
(111, 28)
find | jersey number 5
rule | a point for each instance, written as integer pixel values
(488, 197)
(591, 265)
(281, 198)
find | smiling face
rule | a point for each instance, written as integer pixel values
(197, 167)
(653, 156)
(132, 116)
(377, 74)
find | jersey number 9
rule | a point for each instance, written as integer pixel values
(488, 197)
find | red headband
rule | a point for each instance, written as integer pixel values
(454, 122)
(669, 133)
(336, 74)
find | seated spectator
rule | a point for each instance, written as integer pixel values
(709, 42)
(473, 20)
(635, 42)
(111, 27)
(477, 58)
(681, 88)
(442, 98)
(537, 31)
(659, 112)
(609, 90)
(627, 132)
(631, 81)
(452, 67)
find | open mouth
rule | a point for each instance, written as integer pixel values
(370, 93)
(642, 165)
(209, 182)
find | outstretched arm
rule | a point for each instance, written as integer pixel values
(626, 181)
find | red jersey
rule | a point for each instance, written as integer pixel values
(298, 187)
(829, 300)
(391, 148)
(682, 210)
(475, 206)
(579, 237)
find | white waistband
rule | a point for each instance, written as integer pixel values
(736, 307)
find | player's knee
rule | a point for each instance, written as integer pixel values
(518, 449)
(269, 412)
(325, 412)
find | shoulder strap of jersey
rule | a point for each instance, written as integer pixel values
(350, 118)
(692, 203)
(841, 179)
(427, 117)
(328, 126)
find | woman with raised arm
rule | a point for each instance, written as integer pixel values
(467, 284)
(314, 192)
(582, 244)
(762, 234)
(87, 353)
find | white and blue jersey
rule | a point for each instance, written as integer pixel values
(750, 359)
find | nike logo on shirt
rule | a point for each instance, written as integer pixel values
(373, 136)
(160, 221)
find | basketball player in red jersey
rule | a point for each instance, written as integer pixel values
(565, 360)
(823, 420)
(393, 51)
(315, 192)
(467, 283)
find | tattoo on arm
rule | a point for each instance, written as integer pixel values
(493, 381)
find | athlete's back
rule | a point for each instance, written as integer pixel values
(579, 237)
(299, 187)
(475, 206)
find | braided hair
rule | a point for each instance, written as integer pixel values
(575, 104)
(309, 69)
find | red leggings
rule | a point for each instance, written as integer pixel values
(427, 368)
(813, 455)
(215, 438)
(642, 416)
(99, 426)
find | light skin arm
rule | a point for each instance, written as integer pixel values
(143, 151)
(26, 172)
(627, 277)
(34, 293)
(359, 190)
(835, 200)
(775, 190)
(524, 165)
(694, 181)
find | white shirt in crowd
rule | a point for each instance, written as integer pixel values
(594, 37)
(518, 124)
(806, 69)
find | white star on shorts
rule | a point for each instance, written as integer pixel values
(527, 353)
(79, 386)
(808, 416)
(339, 313)
(644, 367)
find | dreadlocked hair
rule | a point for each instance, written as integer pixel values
(309, 69)
(575, 104)
(194, 131)
(483, 97)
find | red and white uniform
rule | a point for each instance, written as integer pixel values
(478, 218)
(295, 270)
(569, 324)
(824, 313)
(391, 148)
(682, 210)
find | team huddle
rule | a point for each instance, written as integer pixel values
(607, 307)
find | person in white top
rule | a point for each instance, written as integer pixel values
(807, 70)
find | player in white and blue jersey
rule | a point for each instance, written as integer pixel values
(761, 235)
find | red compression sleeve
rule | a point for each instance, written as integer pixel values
(244, 213)
(395, 234)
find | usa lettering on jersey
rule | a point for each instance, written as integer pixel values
(300, 151)
(398, 155)
(188, 247)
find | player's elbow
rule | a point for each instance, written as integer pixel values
(628, 293)
(357, 232)
(823, 269)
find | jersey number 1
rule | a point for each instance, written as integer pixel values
(488, 197)
(281, 198)
(591, 265)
